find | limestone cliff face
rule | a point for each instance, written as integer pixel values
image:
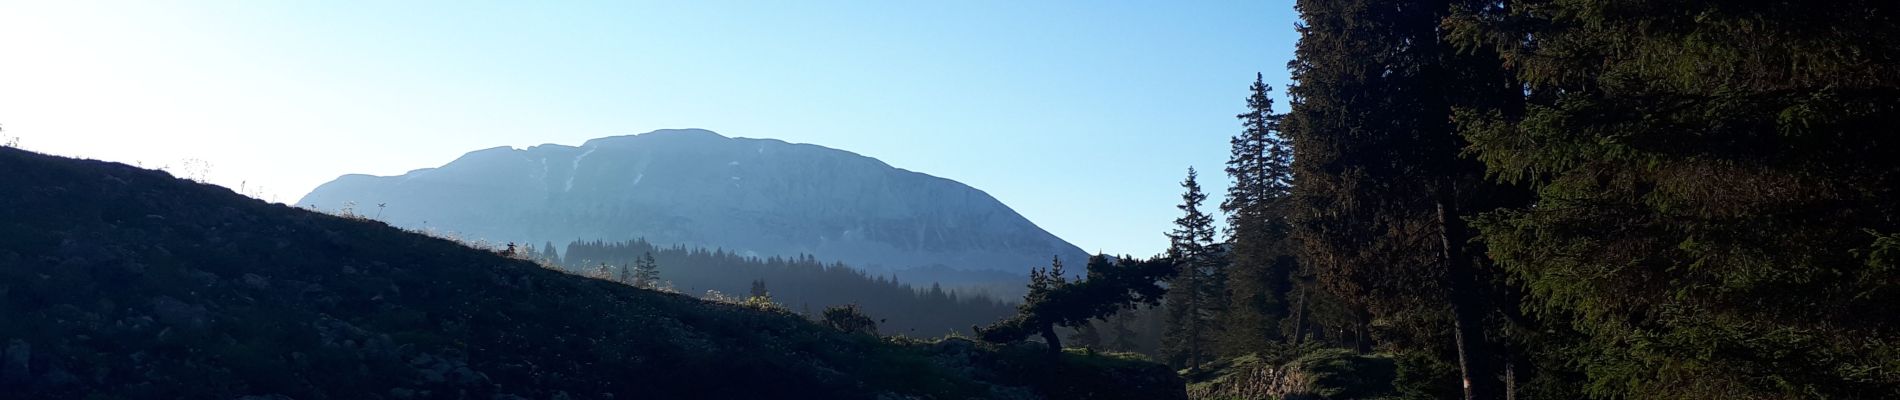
(694, 187)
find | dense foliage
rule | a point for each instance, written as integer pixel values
(1716, 190)
(1109, 287)
(849, 318)
(1604, 199)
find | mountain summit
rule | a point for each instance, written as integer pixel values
(694, 187)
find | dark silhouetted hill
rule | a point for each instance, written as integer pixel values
(118, 282)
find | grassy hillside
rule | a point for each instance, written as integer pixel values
(118, 282)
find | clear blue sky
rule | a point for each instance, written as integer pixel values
(1083, 116)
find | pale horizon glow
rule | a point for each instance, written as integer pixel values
(1081, 116)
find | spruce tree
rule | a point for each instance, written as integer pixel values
(1382, 188)
(758, 289)
(646, 272)
(1257, 226)
(1195, 296)
(548, 254)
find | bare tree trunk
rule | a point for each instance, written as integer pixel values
(1466, 307)
(1362, 339)
(1049, 336)
(1299, 319)
(1510, 379)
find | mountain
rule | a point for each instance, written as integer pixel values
(756, 197)
(125, 283)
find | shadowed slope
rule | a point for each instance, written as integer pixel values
(127, 283)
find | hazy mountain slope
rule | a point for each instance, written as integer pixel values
(694, 187)
(806, 285)
(119, 282)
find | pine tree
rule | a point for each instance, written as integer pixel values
(646, 272)
(1195, 295)
(1045, 303)
(1382, 190)
(1257, 227)
(548, 254)
(1054, 301)
(759, 290)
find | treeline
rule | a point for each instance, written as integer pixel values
(802, 284)
(1561, 199)
(1240, 291)
(1231, 293)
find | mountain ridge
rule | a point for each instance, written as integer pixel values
(760, 197)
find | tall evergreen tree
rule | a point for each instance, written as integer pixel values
(1261, 263)
(1716, 190)
(1382, 188)
(759, 290)
(1195, 295)
(548, 254)
(646, 272)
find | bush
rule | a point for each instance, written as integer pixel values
(849, 318)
